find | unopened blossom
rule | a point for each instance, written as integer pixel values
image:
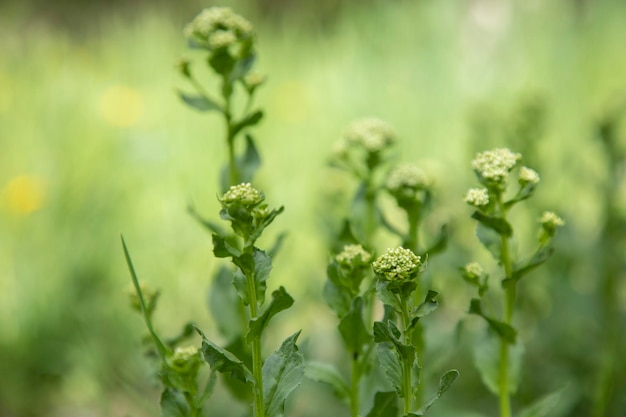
(528, 176)
(242, 194)
(397, 264)
(477, 197)
(371, 133)
(494, 165)
(353, 256)
(473, 270)
(550, 220)
(405, 181)
(217, 27)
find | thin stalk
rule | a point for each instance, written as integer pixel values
(406, 365)
(354, 394)
(509, 301)
(257, 362)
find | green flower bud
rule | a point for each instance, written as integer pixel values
(353, 257)
(242, 195)
(493, 167)
(373, 134)
(185, 360)
(406, 181)
(397, 264)
(477, 197)
(473, 271)
(528, 176)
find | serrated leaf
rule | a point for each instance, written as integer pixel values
(392, 366)
(352, 328)
(326, 374)
(543, 406)
(486, 359)
(225, 362)
(222, 249)
(445, 382)
(499, 225)
(385, 405)
(173, 404)
(387, 296)
(238, 389)
(224, 304)
(249, 120)
(280, 301)
(199, 102)
(282, 373)
(388, 332)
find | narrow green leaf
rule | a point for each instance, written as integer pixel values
(503, 330)
(541, 256)
(262, 268)
(543, 406)
(222, 249)
(249, 120)
(249, 162)
(224, 304)
(327, 374)
(173, 404)
(199, 102)
(352, 328)
(425, 308)
(385, 405)
(161, 349)
(501, 226)
(208, 387)
(280, 301)
(523, 194)
(225, 362)
(277, 246)
(444, 383)
(282, 373)
(390, 362)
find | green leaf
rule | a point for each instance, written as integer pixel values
(225, 362)
(364, 219)
(352, 328)
(505, 331)
(208, 387)
(428, 305)
(486, 359)
(222, 249)
(388, 332)
(337, 298)
(258, 264)
(282, 373)
(523, 194)
(541, 256)
(280, 301)
(188, 330)
(173, 404)
(387, 296)
(211, 226)
(499, 225)
(238, 389)
(327, 374)
(444, 383)
(199, 102)
(262, 269)
(250, 120)
(242, 67)
(385, 405)
(390, 362)
(277, 246)
(441, 242)
(249, 162)
(543, 406)
(490, 240)
(224, 304)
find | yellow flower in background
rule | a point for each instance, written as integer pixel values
(24, 194)
(121, 106)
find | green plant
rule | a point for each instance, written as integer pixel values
(492, 204)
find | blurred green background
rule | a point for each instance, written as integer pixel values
(94, 143)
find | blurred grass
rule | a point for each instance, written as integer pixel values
(93, 142)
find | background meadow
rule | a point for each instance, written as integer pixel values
(94, 142)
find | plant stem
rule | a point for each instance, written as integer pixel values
(257, 362)
(230, 138)
(406, 364)
(354, 397)
(509, 301)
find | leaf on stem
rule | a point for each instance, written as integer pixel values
(282, 373)
(387, 296)
(505, 331)
(365, 218)
(385, 404)
(280, 301)
(173, 404)
(225, 362)
(425, 308)
(249, 120)
(441, 241)
(388, 332)
(486, 359)
(222, 249)
(490, 240)
(499, 225)
(541, 256)
(392, 365)
(327, 374)
(224, 304)
(444, 383)
(352, 328)
(544, 405)
(249, 162)
(200, 102)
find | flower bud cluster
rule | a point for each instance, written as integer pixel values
(473, 270)
(373, 134)
(242, 195)
(185, 360)
(493, 166)
(218, 28)
(406, 181)
(477, 197)
(353, 257)
(528, 176)
(397, 264)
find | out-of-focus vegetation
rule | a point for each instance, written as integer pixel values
(94, 142)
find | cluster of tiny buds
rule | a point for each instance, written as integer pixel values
(495, 165)
(528, 176)
(254, 79)
(406, 178)
(184, 354)
(397, 264)
(373, 134)
(353, 255)
(550, 220)
(218, 27)
(242, 194)
(473, 270)
(477, 197)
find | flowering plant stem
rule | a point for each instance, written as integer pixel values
(509, 301)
